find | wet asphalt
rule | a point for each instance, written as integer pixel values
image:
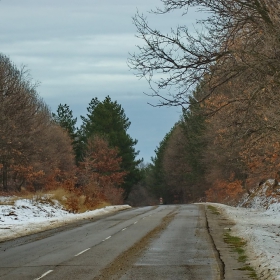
(183, 250)
(163, 242)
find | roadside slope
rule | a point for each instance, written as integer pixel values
(26, 216)
(218, 226)
(260, 229)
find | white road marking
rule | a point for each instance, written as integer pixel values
(124, 229)
(45, 274)
(82, 252)
(136, 222)
(107, 238)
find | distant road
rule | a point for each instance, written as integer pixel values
(164, 242)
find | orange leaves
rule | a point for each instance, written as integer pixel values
(100, 172)
(102, 164)
(224, 191)
(243, 131)
(27, 173)
(113, 194)
(262, 161)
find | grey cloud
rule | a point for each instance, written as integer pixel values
(78, 49)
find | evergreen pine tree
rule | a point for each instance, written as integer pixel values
(108, 120)
(65, 119)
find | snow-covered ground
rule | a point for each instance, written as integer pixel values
(259, 225)
(261, 230)
(25, 216)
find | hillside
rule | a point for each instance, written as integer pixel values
(265, 196)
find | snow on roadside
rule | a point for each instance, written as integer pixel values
(261, 230)
(26, 216)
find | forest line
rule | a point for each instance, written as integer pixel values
(226, 79)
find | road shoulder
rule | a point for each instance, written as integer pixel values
(218, 225)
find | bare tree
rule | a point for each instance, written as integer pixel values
(235, 60)
(18, 115)
(30, 144)
(238, 38)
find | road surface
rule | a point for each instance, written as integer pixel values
(164, 242)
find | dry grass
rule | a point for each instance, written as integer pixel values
(8, 201)
(70, 201)
(102, 205)
(213, 209)
(237, 244)
(73, 202)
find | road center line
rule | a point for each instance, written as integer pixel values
(124, 229)
(136, 222)
(45, 274)
(82, 252)
(107, 238)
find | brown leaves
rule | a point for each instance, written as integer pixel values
(102, 163)
(101, 170)
(31, 146)
(225, 191)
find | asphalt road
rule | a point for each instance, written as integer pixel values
(164, 242)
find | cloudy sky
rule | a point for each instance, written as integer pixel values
(78, 49)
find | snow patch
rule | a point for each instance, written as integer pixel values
(26, 216)
(257, 220)
(263, 196)
(261, 230)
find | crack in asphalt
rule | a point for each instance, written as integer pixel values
(218, 254)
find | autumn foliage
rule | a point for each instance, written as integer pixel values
(227, 81)
(102, 164)
(225, 191)
(230, 67)
(100, 172)
(37, 149)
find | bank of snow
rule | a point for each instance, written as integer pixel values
(259, 225)
(26, 216)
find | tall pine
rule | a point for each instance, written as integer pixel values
(108, 119)
(64, 118)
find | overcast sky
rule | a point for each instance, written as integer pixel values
(78, 49)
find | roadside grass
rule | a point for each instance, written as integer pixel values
(8, 201)
(238, 244)
(213, 210)
(69, 201)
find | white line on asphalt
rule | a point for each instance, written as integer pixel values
(124, 229)
(136, 222)
(82, 252)
(45, 274)
(107, 238)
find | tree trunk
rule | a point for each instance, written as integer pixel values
(19, 186)
(246, 188)
(5, 176)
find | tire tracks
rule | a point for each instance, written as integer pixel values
(126, 259)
